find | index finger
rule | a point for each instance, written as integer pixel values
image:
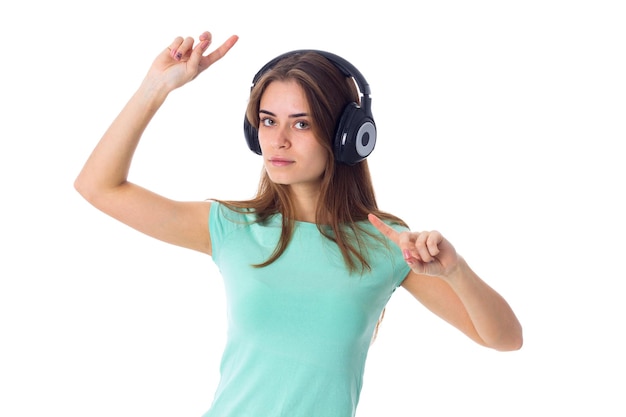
(385, 229)
(219, 53)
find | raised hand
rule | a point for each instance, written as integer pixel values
(181, 61)
(426, 253)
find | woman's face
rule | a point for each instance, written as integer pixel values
(291, 153)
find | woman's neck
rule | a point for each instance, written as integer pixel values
(305, 203)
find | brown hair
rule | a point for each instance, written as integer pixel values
(346, 193)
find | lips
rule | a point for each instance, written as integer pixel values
(280, 162)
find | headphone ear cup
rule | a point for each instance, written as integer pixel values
(251, 134)
(355, 136)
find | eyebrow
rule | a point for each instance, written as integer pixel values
(291, 115)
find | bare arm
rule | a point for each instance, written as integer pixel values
(442, 281)
(103, 179)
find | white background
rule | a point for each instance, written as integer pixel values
(500, 124)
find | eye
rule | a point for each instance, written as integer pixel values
(266, 121)
(301, 125)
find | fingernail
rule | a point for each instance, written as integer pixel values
(406, 254)
(179, 55)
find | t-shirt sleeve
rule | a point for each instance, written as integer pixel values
(222, 223)
(219, 228)
(215, 229)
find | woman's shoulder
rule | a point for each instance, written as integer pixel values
(232, 212)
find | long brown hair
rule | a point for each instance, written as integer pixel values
(346, 192)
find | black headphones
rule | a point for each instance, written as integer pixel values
(355, 134)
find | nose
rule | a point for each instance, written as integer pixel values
(280, 137)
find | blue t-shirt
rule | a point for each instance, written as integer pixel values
(299, 329)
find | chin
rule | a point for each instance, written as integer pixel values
(280, 181)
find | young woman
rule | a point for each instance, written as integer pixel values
(309, 263)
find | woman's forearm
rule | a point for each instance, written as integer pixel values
(494, 320)
(108, 165)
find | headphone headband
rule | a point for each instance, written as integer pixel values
(344, 66)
